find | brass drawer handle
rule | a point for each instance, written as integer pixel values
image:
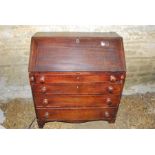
(42, 79)
(110, 89)
(45, 101)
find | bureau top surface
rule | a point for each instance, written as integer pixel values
(77, 34)
(76, 51)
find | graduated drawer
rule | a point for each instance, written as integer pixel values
(76, 77)
(78, 88)
(76, 114)
(49, 100)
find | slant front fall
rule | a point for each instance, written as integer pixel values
(76, 77)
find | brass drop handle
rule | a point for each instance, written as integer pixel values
(32, 78)
(43, 89)
(46, 115)
(109, 102)
(106, 114)
(42, 79)
(110, 89)
(45, 101)
(112, 78)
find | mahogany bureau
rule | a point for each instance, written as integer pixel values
(76, 77)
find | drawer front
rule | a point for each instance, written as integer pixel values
(71, 78)
(76, 114)
(76, 100)
(94, 88)
(76, 77)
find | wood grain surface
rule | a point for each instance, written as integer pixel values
(76, 77)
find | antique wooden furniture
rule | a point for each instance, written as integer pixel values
(76, 77)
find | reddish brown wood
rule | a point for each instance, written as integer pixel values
(50, 100)
(108, 53)
(76, 114)
(78, 88)
(76, 77)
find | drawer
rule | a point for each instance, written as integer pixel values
(49, 100)
(78, 88)
(76, 114)
(76, 77)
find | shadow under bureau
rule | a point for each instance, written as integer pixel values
(76, 77)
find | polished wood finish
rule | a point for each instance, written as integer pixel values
(76, 114)
(67, 55)
(51, 100)
(78, 88)
(76, 77)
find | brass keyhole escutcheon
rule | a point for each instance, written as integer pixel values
(77, 40)
(78, 78)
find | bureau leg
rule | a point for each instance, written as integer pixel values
(40, 124)
(112, 121)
